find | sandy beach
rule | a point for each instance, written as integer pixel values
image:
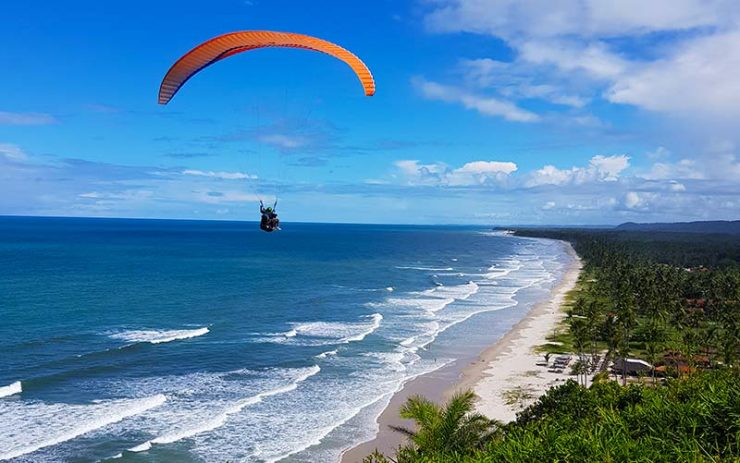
(504, 376)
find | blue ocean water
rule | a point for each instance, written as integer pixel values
(179, 341)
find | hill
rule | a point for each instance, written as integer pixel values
(731, 227)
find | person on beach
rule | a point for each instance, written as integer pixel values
(269, 221)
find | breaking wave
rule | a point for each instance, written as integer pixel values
(206, 424)
(158, 336)
(11, 389)
(46, 424)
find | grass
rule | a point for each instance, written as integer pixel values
(517, 396)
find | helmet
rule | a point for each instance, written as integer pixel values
(269, 209)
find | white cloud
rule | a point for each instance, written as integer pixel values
(676, 186)
(486, 105)
(600, 169)
(471, 173)
(282, 141)
(608, 168)
(548, 205)
(416, 173)
(632, 200)
(594, 59)
(8, 118)
(683, 169)
(12, 152)
(660, 152)
(514, 80)
(487, 167)
(702, 75)
(219, 175)
(225, 197)
(124, 195)
(718, 163)
(692, 70)
(511, 19)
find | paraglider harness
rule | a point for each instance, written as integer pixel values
(269, 221)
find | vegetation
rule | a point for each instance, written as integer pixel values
(695, 418)
(670, 298)
(452, 431)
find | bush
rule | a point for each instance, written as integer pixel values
(696, 418)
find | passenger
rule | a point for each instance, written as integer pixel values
(269, 220)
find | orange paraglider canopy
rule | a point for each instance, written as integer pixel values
(230, 44)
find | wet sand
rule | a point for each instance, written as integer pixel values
(507, 365)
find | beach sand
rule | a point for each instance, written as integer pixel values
(504, 376)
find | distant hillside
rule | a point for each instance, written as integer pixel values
(714, 226)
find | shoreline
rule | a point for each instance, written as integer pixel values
(506, 365)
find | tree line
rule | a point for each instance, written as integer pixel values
(670, 298)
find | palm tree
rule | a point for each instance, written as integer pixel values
(657, 337)
(449, 430)
(579, 329)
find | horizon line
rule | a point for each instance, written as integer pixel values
(595, 226)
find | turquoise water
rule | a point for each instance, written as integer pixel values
(178, 341)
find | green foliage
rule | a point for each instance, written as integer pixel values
(696, 419)
(639, 294)
(645, 294)
(451, 431)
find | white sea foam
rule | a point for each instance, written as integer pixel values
(328, 333)
(433, 300)
(28, 427)
(141, 448)
(408, 341)
(459, 292)
(425, 304)
(205, 424)
(385, 375)
(324, 355)
(320, 410)
(11, 389)
(376, 318)
(158, 336)
(496, 272)
(389, 289)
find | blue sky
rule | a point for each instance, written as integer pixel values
(491, 112)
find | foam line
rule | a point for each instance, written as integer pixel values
(324, 355)
(377, 318)
(220, 419)
(113, 412)
(158, 336)
(11, 389)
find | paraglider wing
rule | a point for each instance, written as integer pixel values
(230, 44)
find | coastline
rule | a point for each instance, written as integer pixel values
(507, 365)
(508, 368)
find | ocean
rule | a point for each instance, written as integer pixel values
(204, 341)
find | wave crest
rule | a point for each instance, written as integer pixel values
(11, 389)
(63, 422)
(328, 333)
(158, 336)
(218, 420)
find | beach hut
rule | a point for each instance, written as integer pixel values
(632, 366)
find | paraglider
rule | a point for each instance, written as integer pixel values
(269, 221)
(227, 45)
(224, 46)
